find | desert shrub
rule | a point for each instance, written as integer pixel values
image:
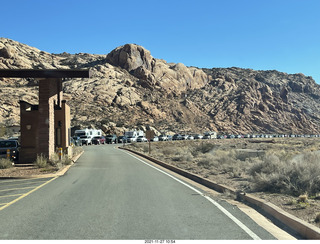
(297, 176)
(168, 151)
(207, 161)
(182, 156)
(66, 160)
(134, 145)
(145, 148)
(222, 161)
(41, 161)
(5, 163)
(186, 157)
(56, 162)
(203, 148)
(268, 165)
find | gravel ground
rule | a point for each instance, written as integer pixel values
(26, 171)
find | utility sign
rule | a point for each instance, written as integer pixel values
(149, 134)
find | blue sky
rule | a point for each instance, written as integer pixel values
(259, 34)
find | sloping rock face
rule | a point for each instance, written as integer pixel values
(132, 89)
(154, 73)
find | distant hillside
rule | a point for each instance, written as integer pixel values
(130, 89)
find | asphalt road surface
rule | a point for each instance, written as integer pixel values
(109, 195)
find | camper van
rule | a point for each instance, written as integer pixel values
(85, 136)
(210, 135)
(133, 135)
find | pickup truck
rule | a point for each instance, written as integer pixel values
(87, 140)
(11, 145)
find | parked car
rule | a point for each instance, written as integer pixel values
(13, 146)
(176, 137)
(163, 138)
(206, 137)
(14, 138)
(131, 139)
(190, 137)
(122, 139)
(76, 140)
(220, 137)
(142, 139)
(198, 136)
(110, 139)
(184, 137)
(97, 140)
(156, 138)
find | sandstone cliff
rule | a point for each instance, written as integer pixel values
(131, 88)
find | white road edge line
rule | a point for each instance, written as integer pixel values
(226, 212)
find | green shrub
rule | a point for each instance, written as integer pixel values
(5, 163)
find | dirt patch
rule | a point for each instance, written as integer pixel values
(26, 171)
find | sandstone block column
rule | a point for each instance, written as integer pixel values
(50, 91)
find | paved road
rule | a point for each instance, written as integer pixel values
(108, 194)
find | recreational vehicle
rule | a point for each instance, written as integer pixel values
(86, 135)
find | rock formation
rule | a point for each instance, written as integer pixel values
(130, 88)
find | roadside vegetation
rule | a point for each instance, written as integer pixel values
(55, 163)
(5, 163)
(278, 167)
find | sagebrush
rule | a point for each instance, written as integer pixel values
(278, 168)
(5, 163)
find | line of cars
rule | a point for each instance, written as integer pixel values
(95, 140)
(214, 135)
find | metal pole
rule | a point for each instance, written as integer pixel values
(60, 153)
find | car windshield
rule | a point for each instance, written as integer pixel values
(8, 144)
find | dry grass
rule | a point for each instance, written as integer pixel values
(289, 166)
(5, 163)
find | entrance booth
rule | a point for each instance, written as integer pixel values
(44, 126)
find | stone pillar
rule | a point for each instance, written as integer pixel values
(50, 94)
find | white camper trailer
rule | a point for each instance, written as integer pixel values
(133, 135)
(86, 135)
(210, 135)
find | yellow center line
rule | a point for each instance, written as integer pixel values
(26, 194)
(3, 204)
